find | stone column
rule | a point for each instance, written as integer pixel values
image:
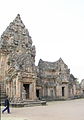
(13, 89)
(10, 89)
(19, 89)
(43, 91)
(48, 91)
(54, 92)
(32, 91)
(71, 93)
(66, 91)
(3, 68)
(18, 85)
(74, 89)
(58, 91)
(11, 86)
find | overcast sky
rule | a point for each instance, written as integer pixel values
(56, 28)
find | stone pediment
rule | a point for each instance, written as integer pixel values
(52, 66)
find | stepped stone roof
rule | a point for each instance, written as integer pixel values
(51, 65)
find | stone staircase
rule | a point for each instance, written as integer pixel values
(2, 93)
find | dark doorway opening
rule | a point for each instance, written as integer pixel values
(51, 92)
(37, 93)
(26, 87)
(83, 91)
(62, 91)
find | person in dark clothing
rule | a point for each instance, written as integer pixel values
(6, 106)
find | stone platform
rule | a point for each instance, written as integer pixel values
(28, 103)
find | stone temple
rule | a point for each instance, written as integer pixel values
(20, 79)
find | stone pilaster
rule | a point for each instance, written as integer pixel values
(18, 88)
(66, 91)
(32, 91)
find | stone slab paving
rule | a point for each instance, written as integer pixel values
(60, 110)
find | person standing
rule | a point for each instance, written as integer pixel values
(6, 106)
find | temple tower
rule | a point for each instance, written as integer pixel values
(17, 61)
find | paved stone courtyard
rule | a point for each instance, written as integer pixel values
(60, 110)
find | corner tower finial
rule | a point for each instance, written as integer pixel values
(18, 19)
(18, 16)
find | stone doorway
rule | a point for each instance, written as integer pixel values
(51, 92)
(37, 93)
(26, 87)
(83, 92)
(63, 91)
